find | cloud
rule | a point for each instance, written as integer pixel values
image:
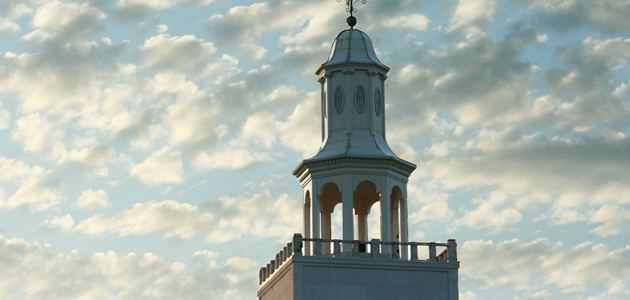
(612, 218)
(35, 189)
(8, 26)
(163, 166)
(220, 220)
(156, 4)
(517, 264)
(167, 219)
(491, 214)
(62, 80)
(606, 15)
(258, 215)
(17, 170)
(412, 21)
(187, 54)
(585, 84)
(37, 135)
(63, 20)
(37, 272)
(243, 25)
(5, 117)
(229, 159)
(64, 223)
(91, 159)
(92, 199)
(473, 14)
(588, 169)
(35, 195)
(302, 130)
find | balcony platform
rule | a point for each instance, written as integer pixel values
(376, 273)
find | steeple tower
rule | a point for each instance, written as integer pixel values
(354, 165)
(354, 170)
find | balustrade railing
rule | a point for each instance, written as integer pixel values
(377, 250)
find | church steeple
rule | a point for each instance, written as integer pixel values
(354, 165)
(354, 170)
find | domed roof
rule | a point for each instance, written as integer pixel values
(353, 46)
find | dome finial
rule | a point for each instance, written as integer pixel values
(351, 21)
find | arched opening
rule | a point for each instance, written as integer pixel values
(364, 197)
(329, 197)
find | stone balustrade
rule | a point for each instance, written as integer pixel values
(376, 250)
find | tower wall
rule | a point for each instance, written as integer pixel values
(318, 278)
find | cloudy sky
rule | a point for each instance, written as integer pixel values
(147, 145)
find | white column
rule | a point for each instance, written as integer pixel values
(394, 219)
(326, 230)
(347, 200)
(404, 227)
(386, 229)
(307, 219)
(315, 210)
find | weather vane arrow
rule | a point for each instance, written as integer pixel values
(352, 21)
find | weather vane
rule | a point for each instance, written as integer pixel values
(351, 9)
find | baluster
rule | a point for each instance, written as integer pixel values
(337, 247)
(375, 247)
(432, 255)
(297, 244)
(395, 250)
(317, 251)
(414, 252)
(452, 251)
(355, 248)
(269, 270)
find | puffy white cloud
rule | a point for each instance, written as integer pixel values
(37, 272)
(163, 166)
(38, 135)
(229, 159)
(260, 128)
(244, 24)
(612, 218)
(487, 215)
(194, 122)
(156, 4)
(8, 26)
(413, 21)
(168, 219)
(585, 84)
(34, 191)
(605, 15)
(257, 215)
(187, 54)
(429, 203)
(473, 14)
(91, 159)
(34, 195)
(5, 117)
(92, 199)
(13, 170)
(586, 170)
(219, 220)
(61, 80)
(58, 19)
(64, 223)
(302, 130)
(517, 264)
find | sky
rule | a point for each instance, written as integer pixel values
(146, 146)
